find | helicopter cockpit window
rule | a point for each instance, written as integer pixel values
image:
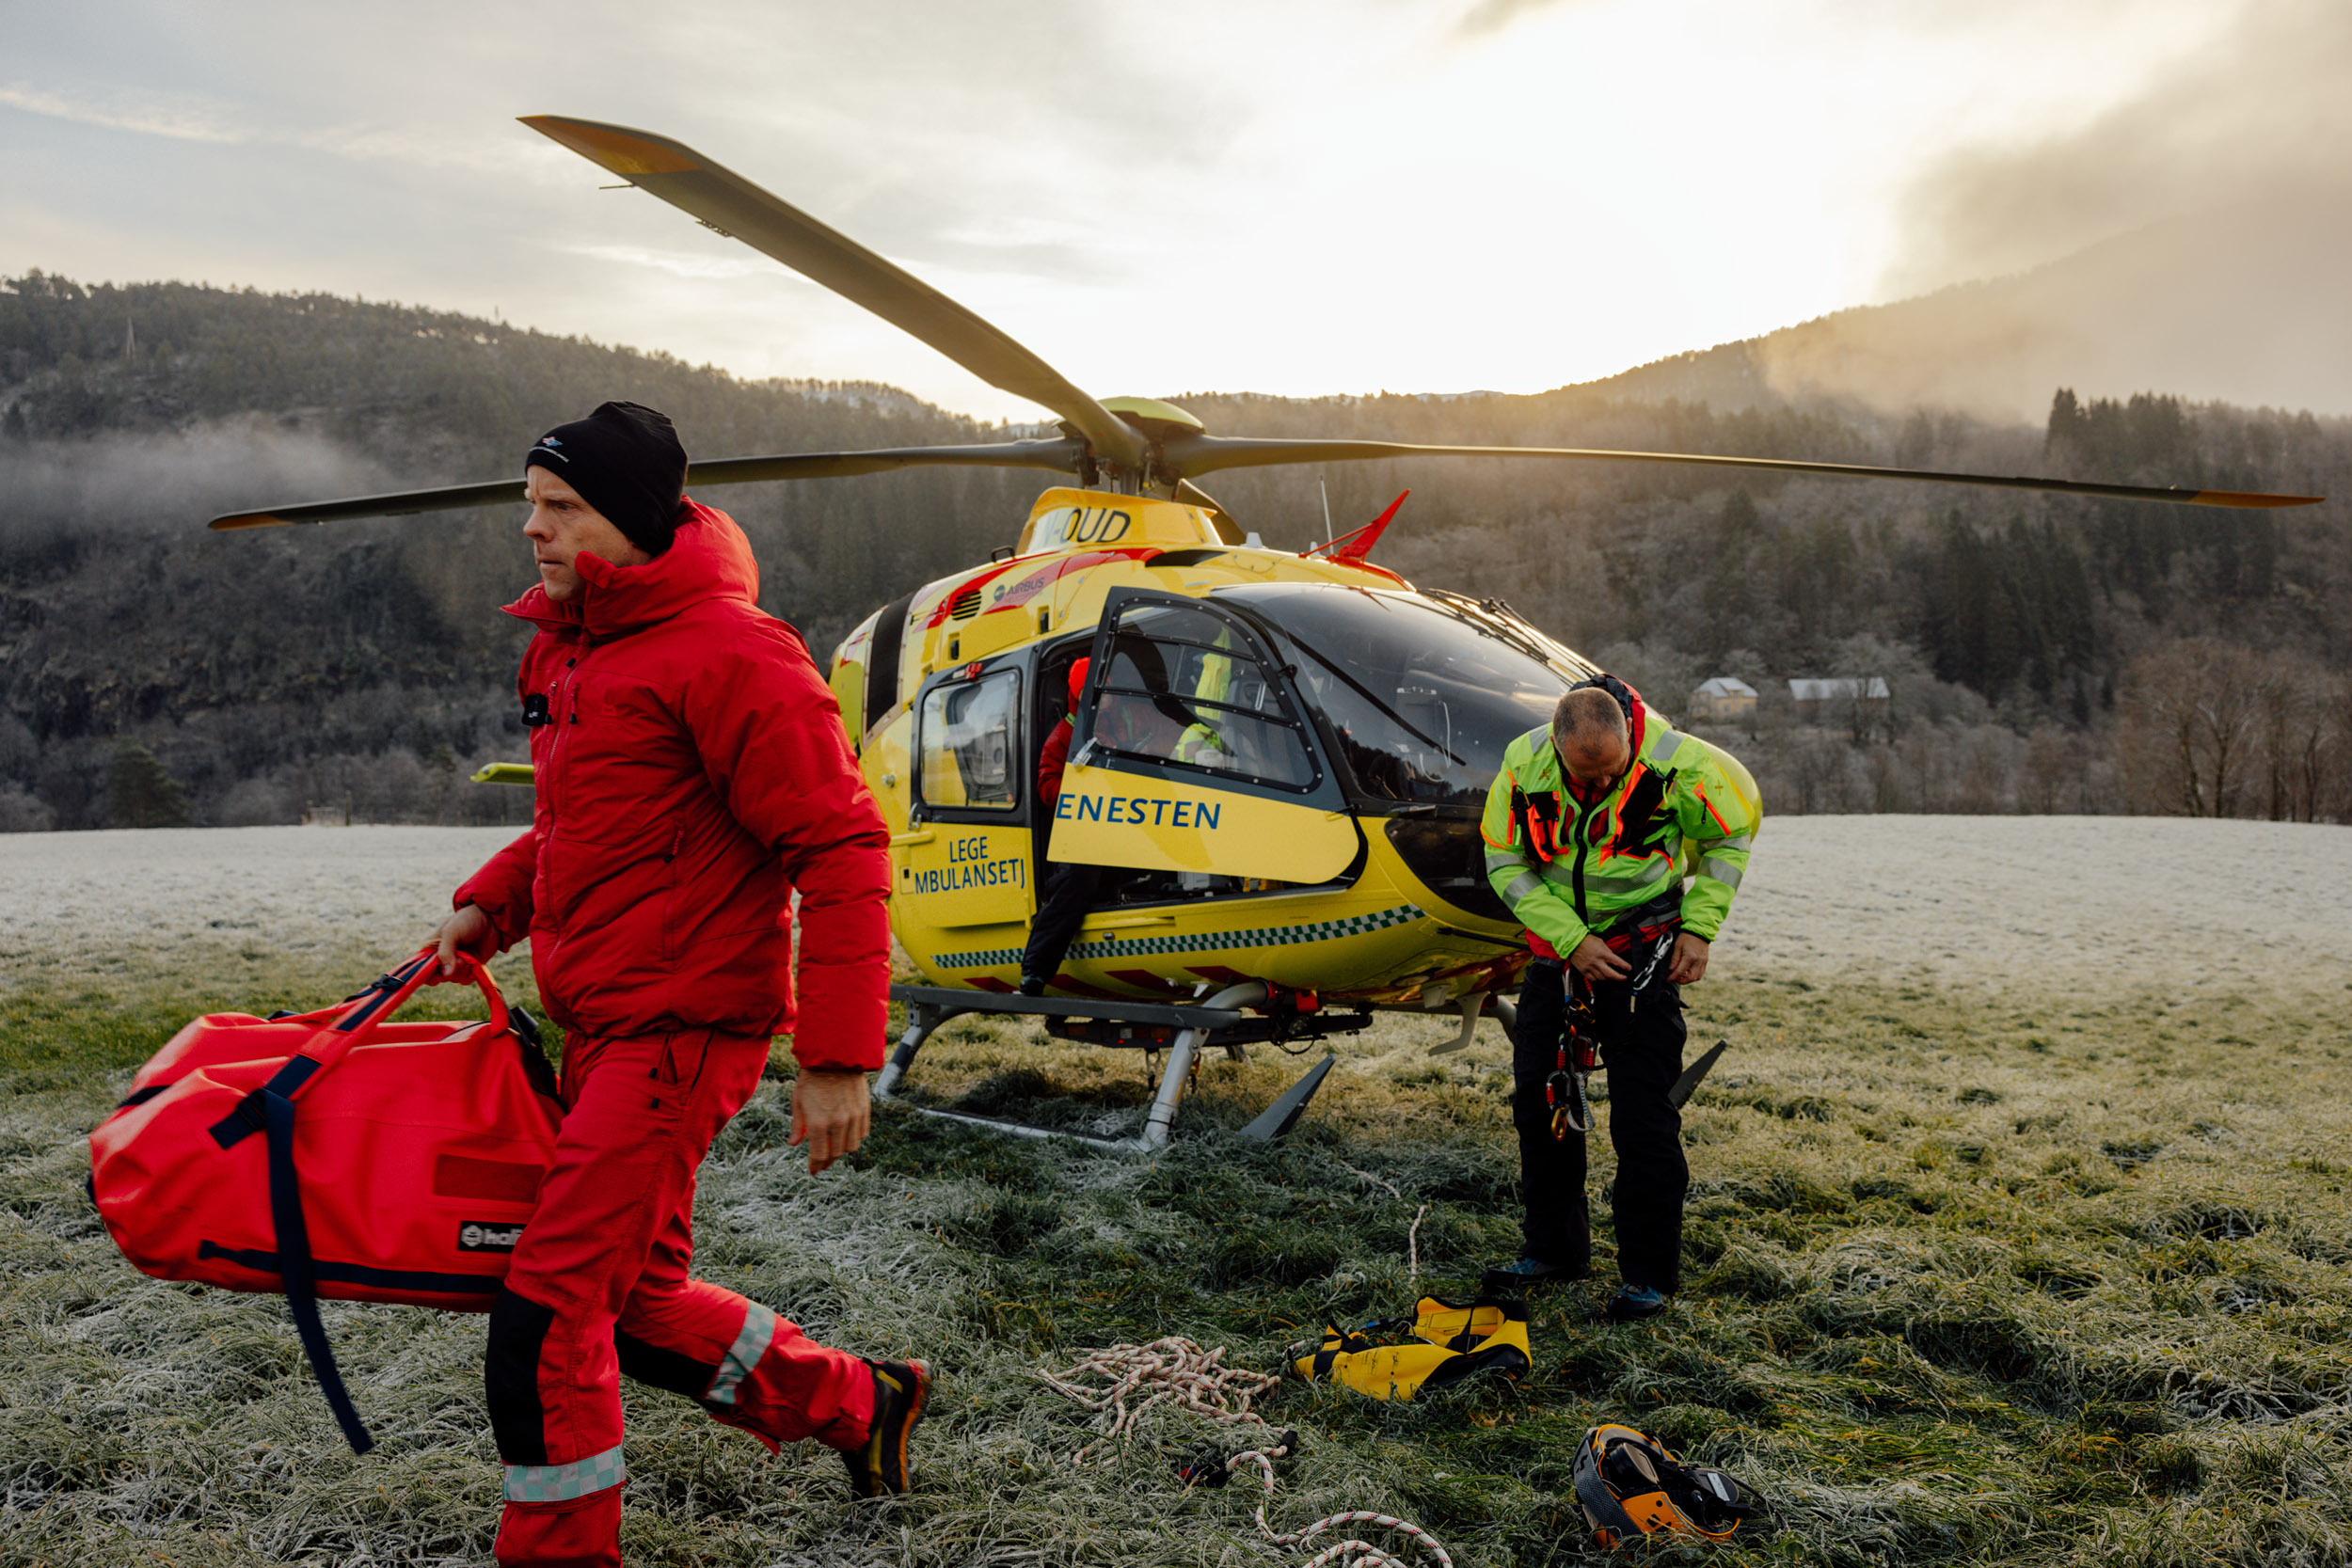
(1182, 689)
(964, 742)
(1420, 704)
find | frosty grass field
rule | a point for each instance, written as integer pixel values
(2019, 1233)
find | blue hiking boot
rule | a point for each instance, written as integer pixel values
(1634, 1302)
(1513, 1279)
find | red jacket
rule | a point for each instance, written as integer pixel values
(691, 772)
(1052, 758)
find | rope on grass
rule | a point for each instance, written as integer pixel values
(1412, 1237)
(1177, 1373)
(1350, 1553)
(1172, 1372)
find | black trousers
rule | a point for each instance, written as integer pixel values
(1641, 1046)
(1069, 891)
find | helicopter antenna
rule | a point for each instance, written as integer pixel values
(1327, 513)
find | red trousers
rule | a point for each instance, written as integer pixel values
(599, 1287)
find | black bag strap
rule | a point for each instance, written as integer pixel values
(294, 1267)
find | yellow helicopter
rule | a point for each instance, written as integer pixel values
(1283, 752)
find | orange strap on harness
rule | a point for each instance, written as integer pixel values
(1540, 820)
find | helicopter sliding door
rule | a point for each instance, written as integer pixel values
(1192, 754)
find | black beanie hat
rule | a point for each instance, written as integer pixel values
(624, 461)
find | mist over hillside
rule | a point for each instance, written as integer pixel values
(2188, 305)
(2189, 239)
(363, 667)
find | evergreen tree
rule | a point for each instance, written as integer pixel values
(141, 792)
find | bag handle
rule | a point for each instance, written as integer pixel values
(362, 1015)
(372, 1008)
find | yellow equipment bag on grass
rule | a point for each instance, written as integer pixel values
(1451, 1341)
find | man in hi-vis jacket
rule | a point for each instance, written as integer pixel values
(1593, 829)
(690, 775)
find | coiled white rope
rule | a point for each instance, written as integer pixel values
(1170, 1371)
(1176, 1371)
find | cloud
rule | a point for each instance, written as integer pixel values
(2188, 239)
(2260, 116)
(680, 263)
(180, 121)
(1488, 17)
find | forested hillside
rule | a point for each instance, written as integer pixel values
(2040, 649)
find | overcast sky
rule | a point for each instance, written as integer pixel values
(1283, 195)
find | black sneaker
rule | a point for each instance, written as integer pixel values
(1634, 1302)
(879, 1464)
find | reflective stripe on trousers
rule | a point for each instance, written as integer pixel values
(560, 1483)
(750, 1343)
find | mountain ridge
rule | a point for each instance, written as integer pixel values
(278, 670)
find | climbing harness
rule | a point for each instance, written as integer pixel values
(1450, 1342)
(1627, 1485)
(1579, 1054)
(1579, 1042)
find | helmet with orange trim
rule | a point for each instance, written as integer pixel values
(1628, 1485)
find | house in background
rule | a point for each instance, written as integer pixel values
(1833, 702)
(1723, 698)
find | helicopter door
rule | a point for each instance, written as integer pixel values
(964, 860)
(1192, 754)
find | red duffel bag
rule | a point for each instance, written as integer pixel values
(333, 1154)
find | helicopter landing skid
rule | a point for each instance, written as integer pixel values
(1182, 1031)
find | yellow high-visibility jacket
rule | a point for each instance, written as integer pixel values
(1567, 867)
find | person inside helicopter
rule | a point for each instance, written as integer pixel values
(1165, 700)
(1068, 891)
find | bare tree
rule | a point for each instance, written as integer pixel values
(2298, 722)
(2051, 775)
(2191, 725)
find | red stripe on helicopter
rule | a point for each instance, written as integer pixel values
(989, 983)
(1143, 980)
(1036, 583)
(941, 610)
(1219, 973)
(1030, 587)
(1082, 989)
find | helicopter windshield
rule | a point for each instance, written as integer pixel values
(1420, 704)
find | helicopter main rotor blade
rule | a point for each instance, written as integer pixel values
(1190, 454)
(726, 201)
(1061, 455)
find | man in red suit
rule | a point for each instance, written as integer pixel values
(691, 776)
